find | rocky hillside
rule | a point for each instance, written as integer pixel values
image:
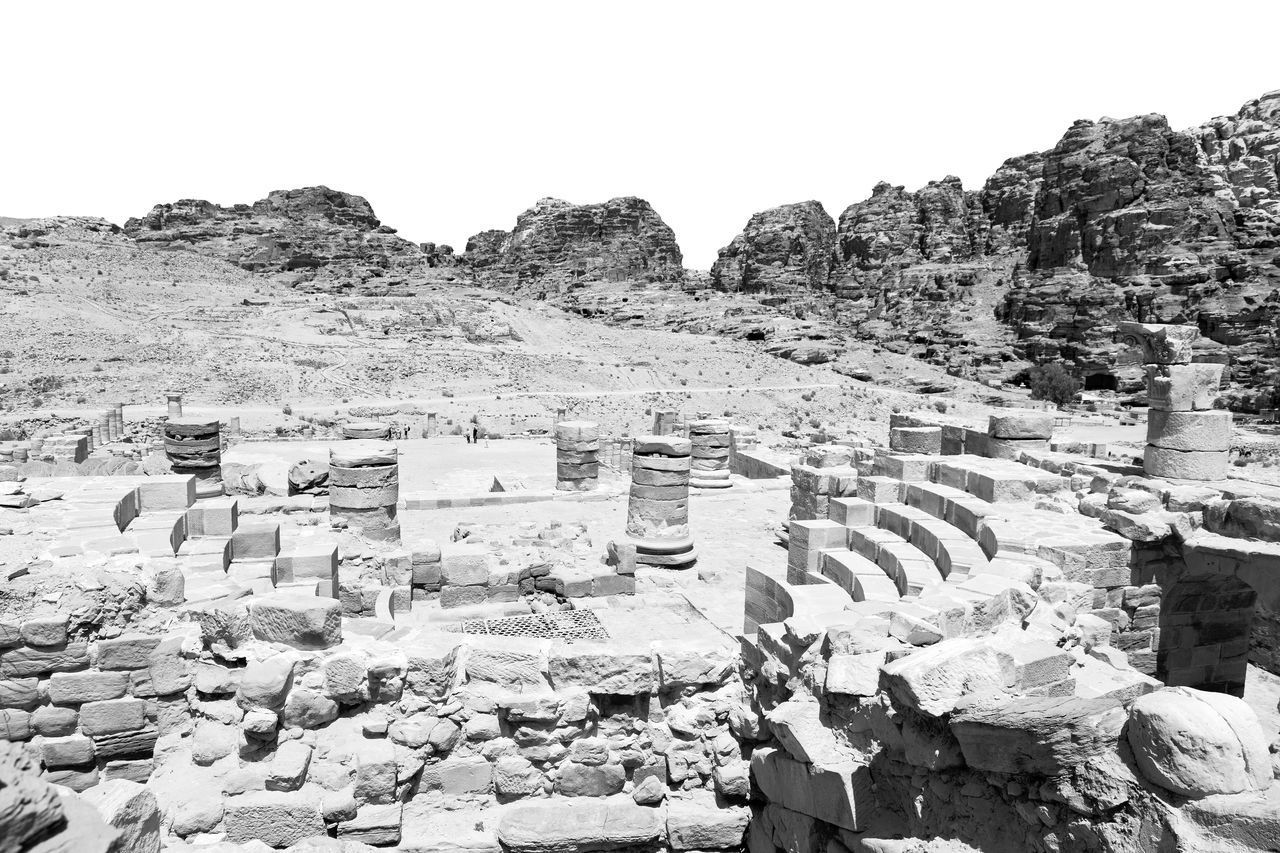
(1122, 219)
(314, 237)
(556, 243)
(781, 250)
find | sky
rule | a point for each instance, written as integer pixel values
(452, 118)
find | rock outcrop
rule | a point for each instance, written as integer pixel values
(1122, 220)
(783, 250)
(313, 234)
(556, 243)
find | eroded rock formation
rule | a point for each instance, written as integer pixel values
(556, 243)
(1123, 219)
(312, 234)
(782, 249)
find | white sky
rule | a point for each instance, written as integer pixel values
(454, 117)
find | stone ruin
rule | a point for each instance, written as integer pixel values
(978, 639)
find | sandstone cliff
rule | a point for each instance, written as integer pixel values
(781, 250)
(556, 243)
(1121, 220)
(313, 234)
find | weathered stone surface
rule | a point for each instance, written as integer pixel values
(934, 679)
(1197, 744)
(590, 825)
(839, 793)
(130, 809)
(301, 621)
(555, 241)
(782, 250)
(276, 818)
(696, 822)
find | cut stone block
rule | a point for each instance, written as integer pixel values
(170, 491)
(1021, 423)
(304, 622)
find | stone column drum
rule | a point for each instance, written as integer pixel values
(711, 440)
(118, 415)
(364, 487)
(1187, 439)
(175, 405)
(361, 430)
(658, 510)
(577, 456)
(102, 429)
(194, 447)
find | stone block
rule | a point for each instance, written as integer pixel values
(839, 793)
(304, 622)
(276, 818)
(170, 491)
(590, 825)
(375, 825)
(73, 688)
(310, 561)
(1021, 424)
(216, 517)
(464, 565)
(1183, 387)
(695, 821)
(916, 439)
(256, 541)
(112, 716)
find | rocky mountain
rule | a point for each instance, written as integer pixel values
(312, 236)
(782, 250)
(1121, 220)
(556, 243)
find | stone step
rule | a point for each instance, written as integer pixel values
(996, 480)
(911, 569)
(863, 579)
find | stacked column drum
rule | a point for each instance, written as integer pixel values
(1187, 439)
(711, 440)
(194, 447)
(376, 430)
(364, 487)
(174, 405)
(577, 456)
(658, 510)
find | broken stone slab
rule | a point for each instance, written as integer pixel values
(839, 793)
(1045, 736)
(132, 810)
(1021, 424)
(933, 680)
(697, 821)
(590, 825)
(276, 818)
(799, 728)
(301, 621)
(1196, 743)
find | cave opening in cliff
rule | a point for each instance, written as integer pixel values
(1100, 382)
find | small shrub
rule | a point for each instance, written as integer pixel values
(1051, 382)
